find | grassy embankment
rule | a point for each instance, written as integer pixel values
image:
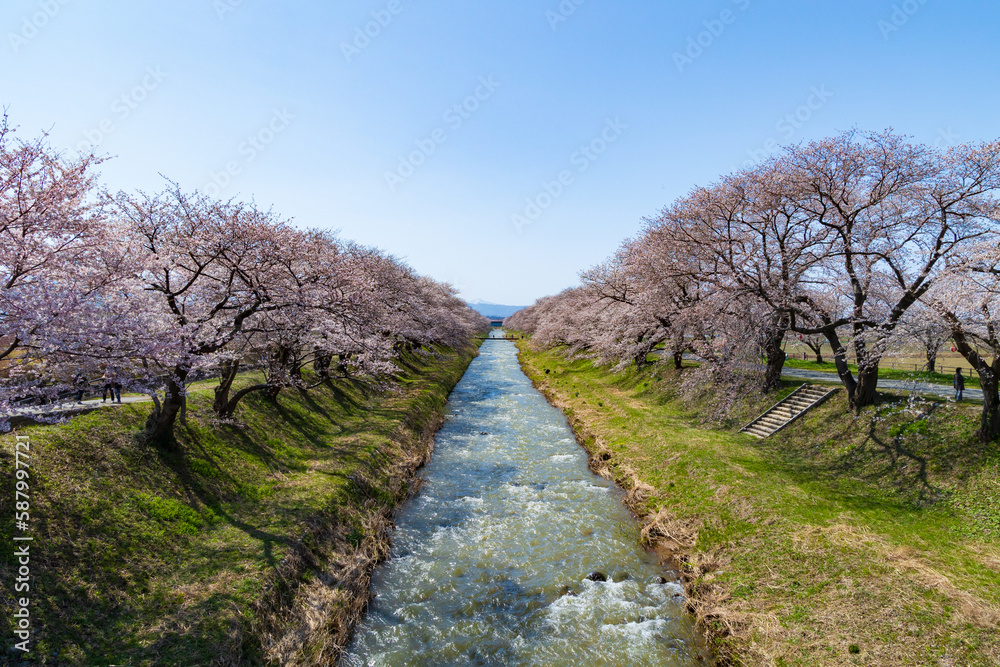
(254, 546)
(842, 540)
(889, 373)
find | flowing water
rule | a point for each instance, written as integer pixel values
(490, 561)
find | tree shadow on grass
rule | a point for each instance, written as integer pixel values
(199, 492)
(893, 450)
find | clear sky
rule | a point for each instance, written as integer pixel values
(573, 120)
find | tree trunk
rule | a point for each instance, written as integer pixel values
(229, 370)
(342, 369)
(931, 360)
(640, 357)
(989, 378)
(677, 351)
(159, 428)
(321, 364)
(229, 409)
(989, 425)
(775, 357)
(278, 374)
(817, 350)
(840, 361)
(773, 354)
(866, 391)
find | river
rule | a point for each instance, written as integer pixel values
(490, 561)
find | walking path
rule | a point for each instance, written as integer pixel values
(905, 385)
(902, 385)
(73, 406)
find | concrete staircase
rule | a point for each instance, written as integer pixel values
(788, 410)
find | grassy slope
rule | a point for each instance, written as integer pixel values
(146, 558)
(840, 541)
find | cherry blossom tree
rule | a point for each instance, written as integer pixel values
(922, 326)
(747, 236)
(895, 211)
(837, 238)
(654, 292)
(967, 300)
(161, 289)
(815, 343)
(206, 269)
(629, 328)
(55, 257)
(315, 301)
(344, 302)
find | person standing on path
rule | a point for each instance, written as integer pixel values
(959, 384)
(112, 386)
(80, 381)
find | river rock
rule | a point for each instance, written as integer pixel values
(597, 576)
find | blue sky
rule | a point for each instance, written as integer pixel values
(573, 120)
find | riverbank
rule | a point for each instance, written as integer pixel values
(514, 553)
(840, 541)
(256, 545)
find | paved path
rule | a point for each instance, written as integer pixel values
(73, 406)
(905, 385)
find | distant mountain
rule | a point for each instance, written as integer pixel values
(494, 310)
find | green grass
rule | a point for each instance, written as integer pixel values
(842, 540)
(888, 373)
(141, 557)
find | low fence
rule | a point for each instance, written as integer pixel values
(945, 370)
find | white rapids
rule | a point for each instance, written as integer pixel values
(490, 562)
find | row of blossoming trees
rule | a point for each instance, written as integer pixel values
(859, 240)
(161, 289)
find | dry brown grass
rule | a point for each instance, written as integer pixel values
(310, 620)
